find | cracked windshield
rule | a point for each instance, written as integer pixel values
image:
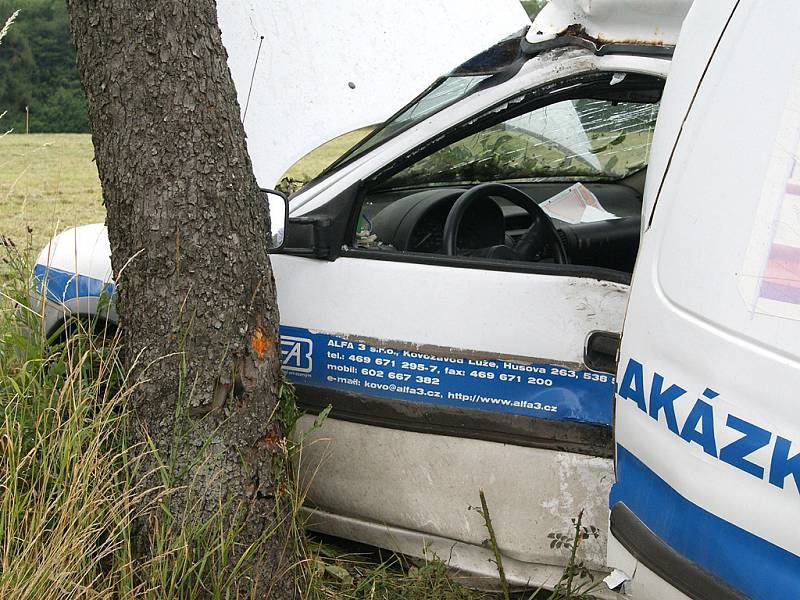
(584, 139)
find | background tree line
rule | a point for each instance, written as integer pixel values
(37, 68)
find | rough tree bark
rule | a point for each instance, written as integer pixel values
(187, 227)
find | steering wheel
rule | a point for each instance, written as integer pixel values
(539, 241)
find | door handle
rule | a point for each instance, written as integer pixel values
(601, 351)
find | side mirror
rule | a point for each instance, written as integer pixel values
(278, 207)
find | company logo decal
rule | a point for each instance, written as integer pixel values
(296, 354)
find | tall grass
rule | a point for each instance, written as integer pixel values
(3, 32)
(70, 494)
(9, 21)
(66, 500)
(72, 491)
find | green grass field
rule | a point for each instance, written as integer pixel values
(47, 182)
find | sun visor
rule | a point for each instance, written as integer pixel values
(308, 71)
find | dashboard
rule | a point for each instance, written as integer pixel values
(414, 222)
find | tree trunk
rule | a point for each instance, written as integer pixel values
(187, 227)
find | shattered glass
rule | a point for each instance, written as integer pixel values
(572, 140)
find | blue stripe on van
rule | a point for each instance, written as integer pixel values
(756, 567)
(66, 285)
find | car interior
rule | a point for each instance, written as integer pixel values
(556, 176)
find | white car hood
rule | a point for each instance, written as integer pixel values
(326, 68)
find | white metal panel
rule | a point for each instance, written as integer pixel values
(423, 482)
(510, 314)
(420, 482)
(689, 323)
(718, 175)
(326, 68)
(632, 21)
(703, 27)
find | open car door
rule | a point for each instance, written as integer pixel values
(707, 495)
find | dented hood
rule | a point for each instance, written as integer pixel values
(637, 22)
(307, 71)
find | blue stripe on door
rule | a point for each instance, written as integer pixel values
(756, 567)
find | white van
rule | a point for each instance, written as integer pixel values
(474, 259)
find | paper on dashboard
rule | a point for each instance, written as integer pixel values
(576, 204)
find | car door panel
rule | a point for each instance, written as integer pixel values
(426, 483)
(541, 317)
(416, 461)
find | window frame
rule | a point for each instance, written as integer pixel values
(554, 91)
(548, 93)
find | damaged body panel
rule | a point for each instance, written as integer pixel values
(408, 472)
(606, 26)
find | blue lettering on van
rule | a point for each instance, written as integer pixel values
(753, 439)
(632, 385)
(699, 426)
(665, 401)
(782, 466)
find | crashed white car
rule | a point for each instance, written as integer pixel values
(454, 287)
